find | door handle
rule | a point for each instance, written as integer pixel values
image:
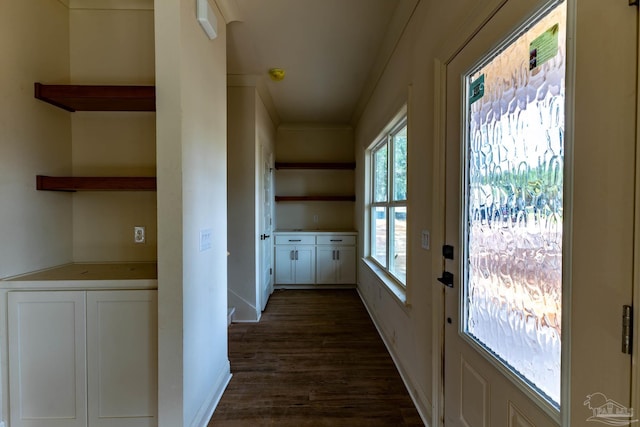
(264, 236)
(446, 279)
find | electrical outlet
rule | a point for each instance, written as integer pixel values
(139, 234)
(315, 219)
(206, 239)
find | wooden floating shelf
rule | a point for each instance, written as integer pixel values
(80, 183)
(98, 98)
(304, 165)
(315, 198)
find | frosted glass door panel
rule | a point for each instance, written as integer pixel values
(514, 203)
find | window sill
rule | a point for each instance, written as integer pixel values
(396, 290)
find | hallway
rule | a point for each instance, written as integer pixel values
(314, 359)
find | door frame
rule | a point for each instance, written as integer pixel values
(466, 32)
(635, 364)
(266, 157)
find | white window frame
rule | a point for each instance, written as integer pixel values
(386, 138)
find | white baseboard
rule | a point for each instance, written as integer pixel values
(419, 401)
(206, 410)
(244, 310)
(314, 287)
(230, 312)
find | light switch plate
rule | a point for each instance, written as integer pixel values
(206, 239)
(426, 239)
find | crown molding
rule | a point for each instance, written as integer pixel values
(229, 10)
(399, 22)
(109, 4)
(257, 82)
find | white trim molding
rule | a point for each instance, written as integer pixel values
(109, 5)
(420, 400)
(205, 412)
(230, 10)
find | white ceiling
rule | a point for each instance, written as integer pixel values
(331, 51)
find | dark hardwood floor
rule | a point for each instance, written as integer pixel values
(315, 359)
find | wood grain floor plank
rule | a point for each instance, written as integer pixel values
(315, 359)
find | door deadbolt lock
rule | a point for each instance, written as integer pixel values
(447, 252)
(446, 279)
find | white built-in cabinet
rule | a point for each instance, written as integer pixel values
(295, 259)
(83, 358)
(335, 259)
(322, 258)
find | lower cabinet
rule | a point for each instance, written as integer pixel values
(315, 258)
(295, 264)
(336, 265)
(83, 358)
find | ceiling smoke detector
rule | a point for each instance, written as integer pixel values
(276, 74)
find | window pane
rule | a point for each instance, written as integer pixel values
(398, 252)
(400, 165)
(379, 232)
(380, 174)
(515, 151)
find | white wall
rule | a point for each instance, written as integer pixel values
(250, 128)
(241, 231)
(192, 185)
(35, 138)
(314, 143)
(113, 47)
(435, 29)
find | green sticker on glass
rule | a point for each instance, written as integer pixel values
(544, 47)
(476, 89)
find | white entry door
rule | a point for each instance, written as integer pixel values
(539, 216)
(266, 229)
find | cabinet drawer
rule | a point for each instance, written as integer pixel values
(300, 239)
(336, 239)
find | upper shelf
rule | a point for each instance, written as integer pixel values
(92, 183)
(318, 165)
(98, 98)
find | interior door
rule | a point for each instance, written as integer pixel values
(539, 212)
(266, 247)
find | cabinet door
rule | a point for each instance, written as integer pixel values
(305, 265)
(326, 265)
(285, 264)
(122, 358)
(346, 265)
(47, 367)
